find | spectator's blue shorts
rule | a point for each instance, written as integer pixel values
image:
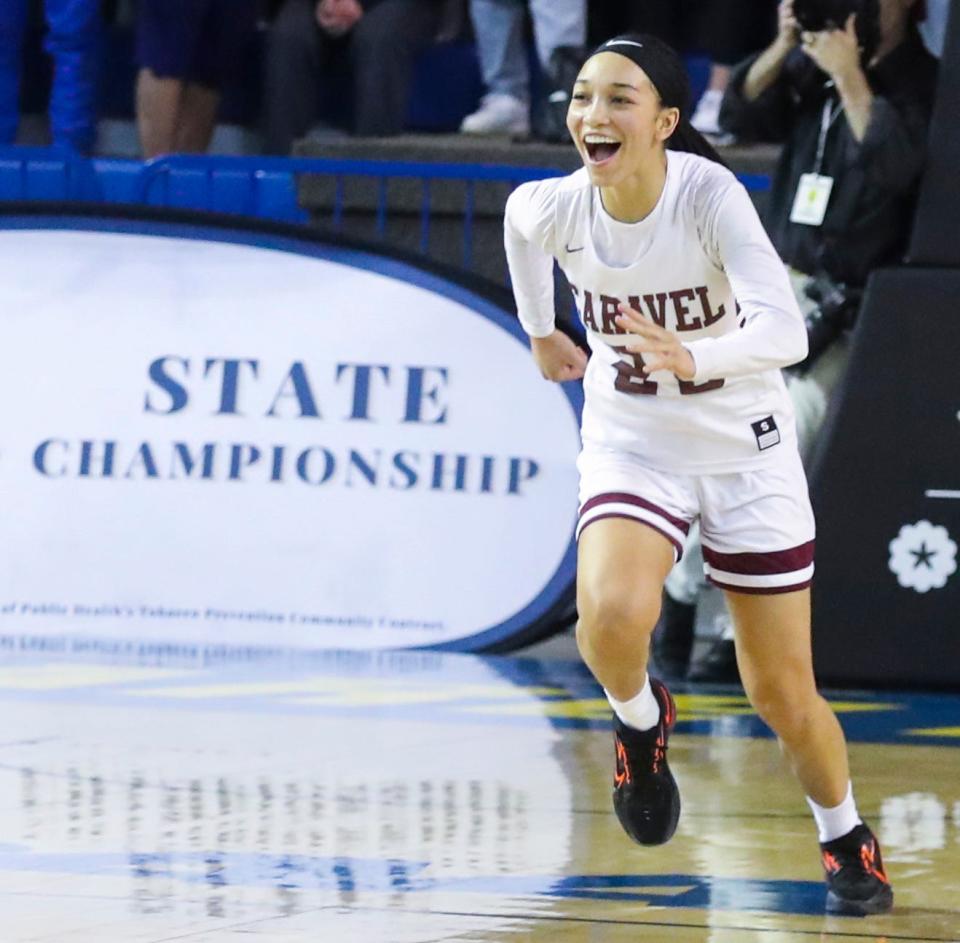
(198, 41)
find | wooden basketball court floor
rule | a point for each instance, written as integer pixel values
(169, 795)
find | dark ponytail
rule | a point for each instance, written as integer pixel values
(668, 74)
(687, 138)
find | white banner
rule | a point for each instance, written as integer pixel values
(266, 441)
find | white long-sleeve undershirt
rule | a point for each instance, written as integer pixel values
(773, 333)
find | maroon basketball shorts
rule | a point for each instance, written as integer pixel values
(757, 526)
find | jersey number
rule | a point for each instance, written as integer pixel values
(631, 378)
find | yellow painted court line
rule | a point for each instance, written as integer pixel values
(863, 707)
(727, 703)
(56, 676)
(330, 691)
(706, 700)
(690, 707)
(591, 709)
(400, 697)
(934, 732)
(344, 691)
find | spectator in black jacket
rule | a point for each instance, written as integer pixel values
(378, 40)
(853, 122)
(878, 112)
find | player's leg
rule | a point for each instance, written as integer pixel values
(673, 637)
(632, 525)
(620, 572)
(758, 541)
(621, 568)
(776, 666)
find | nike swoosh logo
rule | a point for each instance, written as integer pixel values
(578, 249)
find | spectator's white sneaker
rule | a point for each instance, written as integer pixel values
(706, 118)
(498, 114)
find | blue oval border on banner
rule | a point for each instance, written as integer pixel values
(558, 591)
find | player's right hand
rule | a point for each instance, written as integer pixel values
(558, 357)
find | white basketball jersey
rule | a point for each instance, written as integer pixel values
(685, 266)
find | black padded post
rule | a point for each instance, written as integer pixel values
(886, 491)
(936, 231)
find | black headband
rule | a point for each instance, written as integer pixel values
(659, 61)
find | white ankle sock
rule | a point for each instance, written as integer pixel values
(832, 823)
(641, 712)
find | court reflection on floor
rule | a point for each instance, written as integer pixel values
(400, 799)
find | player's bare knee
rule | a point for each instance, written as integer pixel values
(613, 623)
(786, 709)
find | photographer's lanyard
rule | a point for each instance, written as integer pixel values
(813, 193)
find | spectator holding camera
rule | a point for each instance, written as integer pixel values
(851, 102)
(848, 87)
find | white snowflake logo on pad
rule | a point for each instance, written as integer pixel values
(923, 556)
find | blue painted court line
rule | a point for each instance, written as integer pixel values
(348, 875)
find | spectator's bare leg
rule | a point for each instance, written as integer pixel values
(197, 119)
(158, 111)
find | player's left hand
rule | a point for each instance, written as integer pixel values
(661, 349)
(835, 51)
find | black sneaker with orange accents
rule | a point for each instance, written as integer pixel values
(645, 794)
(856, 881)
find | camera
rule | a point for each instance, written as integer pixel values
(836, 308)
(817, 15)
(814, 16)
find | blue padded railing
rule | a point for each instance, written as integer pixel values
(41, 173)
(266, 187)
(261, 187)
